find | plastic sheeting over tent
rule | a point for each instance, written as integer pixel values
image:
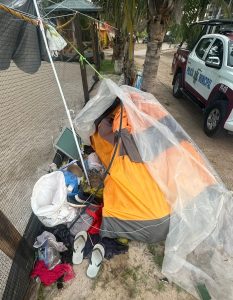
(134, 205)
(20, 41)
(199, 245)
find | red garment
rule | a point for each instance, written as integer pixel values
(97, 220)
(48, 277)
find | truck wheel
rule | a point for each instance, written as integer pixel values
(177, 86)
(214, 116)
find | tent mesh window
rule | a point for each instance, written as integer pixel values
(32, 116)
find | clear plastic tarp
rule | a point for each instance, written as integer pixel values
(199, 245)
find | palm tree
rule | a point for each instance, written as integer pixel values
(126, 16)
(135, 12)
(160, 13)
(113, 13)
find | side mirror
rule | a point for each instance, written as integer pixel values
(213, 62)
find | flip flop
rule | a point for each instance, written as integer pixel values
(97, 257)
(79, 245)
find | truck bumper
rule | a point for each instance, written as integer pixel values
(229, 122)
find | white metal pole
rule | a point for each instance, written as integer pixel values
(60, 88)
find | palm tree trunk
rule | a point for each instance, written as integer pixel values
(118, 46)
(156, 32)
(118, 53)
(128, 62)
(130, 14)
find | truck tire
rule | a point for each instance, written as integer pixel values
(176, 91)
(214, 116)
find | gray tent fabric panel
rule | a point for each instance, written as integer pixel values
(21, 42)
(151, 231)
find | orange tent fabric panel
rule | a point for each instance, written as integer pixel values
(154, 110)
(103, 148)
(175, 161)
(130, 193)
(117, 118)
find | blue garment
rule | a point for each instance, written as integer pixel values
(138, 81)
(72, 181)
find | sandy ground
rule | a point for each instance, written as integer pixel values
(137, 274)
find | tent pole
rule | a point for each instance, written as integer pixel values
(60, 88)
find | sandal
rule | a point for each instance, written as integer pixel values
(78, 248)
(97, 257)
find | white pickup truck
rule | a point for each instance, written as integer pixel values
(205, 75)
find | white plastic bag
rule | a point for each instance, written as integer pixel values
(55, 41)
(49, 200)
(94, 162)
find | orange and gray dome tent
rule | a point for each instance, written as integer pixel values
(160, 186)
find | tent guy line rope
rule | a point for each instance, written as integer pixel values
(20, 15)
(38, 21)
(67, 23)
(59, 16)
(57, 6)
(82, 58)
(76, 11)
(172, 216)
(127, 232)
(26, 16)
(35, 21)
(13, 11)
(60, 89)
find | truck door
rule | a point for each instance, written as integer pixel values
(210, 76)
(195, 66)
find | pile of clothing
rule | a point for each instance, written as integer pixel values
(71, 212)
(49, 266)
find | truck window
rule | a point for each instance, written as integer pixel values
(230, 54)
(216, 50)
(202, 47)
